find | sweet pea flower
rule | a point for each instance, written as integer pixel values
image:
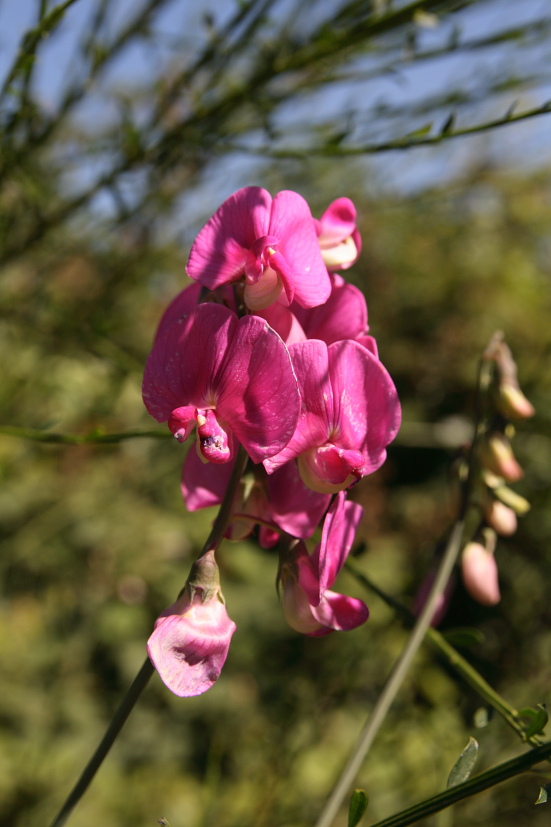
(350, 413)
(191, 639)
(270, 243)
(338, 236)
(230, 377)
(308, 604)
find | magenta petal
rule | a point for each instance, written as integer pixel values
(204, 483)
(179, 306)
(295, 507)
(258, 390)
(311, 363)
(338, 221)
(291, 221)
(337, 612)
(190, 645)
(220, 251)
(367, 412)
(183, 366)
(343, 316)
(285, 323)
(338, 535)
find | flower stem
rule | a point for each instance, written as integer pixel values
(141, 680)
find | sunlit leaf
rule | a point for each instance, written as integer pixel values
(464, 765)
(545, 794)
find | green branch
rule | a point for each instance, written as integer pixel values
(478, 784)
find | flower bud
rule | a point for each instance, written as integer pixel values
(479, 569)
(497, 455)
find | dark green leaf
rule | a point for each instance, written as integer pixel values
(464, 765)
(358, 806)
(537, 718)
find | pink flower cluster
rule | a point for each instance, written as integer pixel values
(270, 349)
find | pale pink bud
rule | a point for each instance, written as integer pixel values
(511, 400)
(191, 639)
(500, 517)
(479, 571)
(497, 455)
(514, 404)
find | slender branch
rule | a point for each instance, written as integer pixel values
(140, 682)
(482, 781)
(398, 144)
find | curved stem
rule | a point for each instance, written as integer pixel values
(141, 680)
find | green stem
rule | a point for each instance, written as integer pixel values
(480, 782)
(140, 682)
(457, 662)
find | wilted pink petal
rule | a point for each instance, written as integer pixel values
(339, 237)
(480, 575)
(239, 369)
(270, 243)
(191, 639)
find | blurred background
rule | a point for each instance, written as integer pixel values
(124, 125)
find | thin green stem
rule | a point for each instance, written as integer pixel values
(482, 781)
(394, 681)
(454, 659)
(140, 682)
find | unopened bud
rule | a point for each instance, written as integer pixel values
(479, 569)
(499, 516)
(497, 455)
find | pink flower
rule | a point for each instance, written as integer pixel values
(191, 639)
(270, 243)
(350, 413)
(309, 606)
(339, 237)
(479, 570)
(229, 377)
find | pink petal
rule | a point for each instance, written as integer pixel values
(204, 483)
(258, 390)
(338, 221)
(190, 645)
(179, 306)
(338, 535)
(285, 323)
(291, 221)
(219, 253)
(294, 507)
(343, 316)
(340, 613)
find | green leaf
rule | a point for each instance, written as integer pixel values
(537, 717)
(464, 765)
(545, 794)
(358, 806)
(463, 636)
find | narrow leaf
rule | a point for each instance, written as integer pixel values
(358, 806)
(464, 765)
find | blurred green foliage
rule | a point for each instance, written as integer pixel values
(95, 540)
